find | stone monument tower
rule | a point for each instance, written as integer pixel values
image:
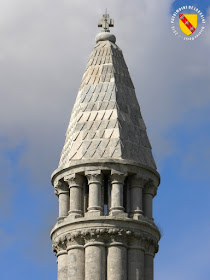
(106, 179)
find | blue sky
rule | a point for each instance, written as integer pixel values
(202, 5)
(44, 48)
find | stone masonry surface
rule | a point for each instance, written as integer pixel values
(106, 121)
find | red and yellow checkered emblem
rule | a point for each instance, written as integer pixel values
(188, 23)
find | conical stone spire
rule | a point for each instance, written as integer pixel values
(106, 122)
(107, 178)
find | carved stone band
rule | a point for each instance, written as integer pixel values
(74, 247)
(107, 237)
(60, 253)
(94, 243)
(118, 244)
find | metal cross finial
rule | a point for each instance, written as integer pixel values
(106, 22)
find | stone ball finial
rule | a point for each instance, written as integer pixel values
(105, 36)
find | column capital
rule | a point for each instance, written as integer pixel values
(74, 240)
(59, 248)
(60, 188)
(117, 177)
(137, 181)
(135, 243)
(151, 248)
(92, 236)
(150, 188)
(74, 180)
(94, 176)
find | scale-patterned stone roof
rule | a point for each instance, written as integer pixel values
(106, 121)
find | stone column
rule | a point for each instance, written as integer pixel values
(149, 192)
(95, 184)
(62, 191)
(95, 261)
(61, 253)
(136, 260)
(75, 182)
(62, 266)
(149, 261)
(117, 182)
(136, 193)
(148, 267)
(117, 261)
(76, 259)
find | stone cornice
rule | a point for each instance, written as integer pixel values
(144, 223)
(100, 164)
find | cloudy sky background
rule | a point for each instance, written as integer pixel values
(44, 47)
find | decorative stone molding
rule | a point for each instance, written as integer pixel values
(59, 248)
(137, 181)
(74, 180)
(106, 237)
(150, 188)
(148, 220)
(151, 247)
(60, 188)
(119, 237)
(94, 177)
(74, 240)
(117, 177)
(94, 235)
(136, 242)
